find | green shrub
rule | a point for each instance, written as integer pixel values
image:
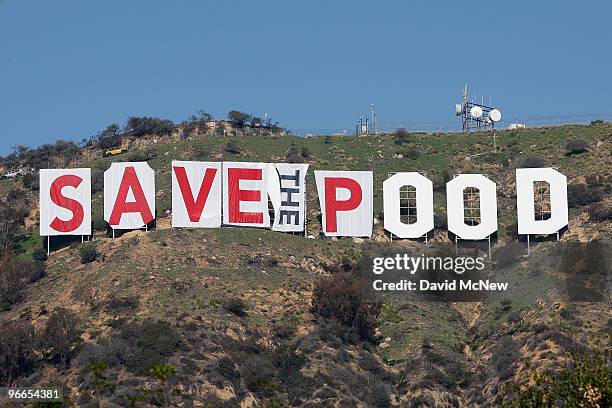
(257, 373)
(159, 336)
(17, 357)
(284, 329)
(13, 279)
(88, 254)
(61, 334)
(533, 162)
(36, 270)
(227, 368)
(235, 306)
(39, 254)
(580, 194)
(349, 300)
(508, 255)
(293, 156)
(585, 382)
(600, 212)
(412, 153)
(232, 148)
(116, 304)
(153, 342)
(577, 146)
(140, 126)
(141, 155)
(401, 136)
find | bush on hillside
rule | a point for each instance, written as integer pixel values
(238, 118)
(577, 146)
(36, 270)
(15, 274)
(533, 162)
(349, 300)
(141, 155)
(293, 156)
(17, 357)
(401, 136)
(284, 330)
(88, 254)
(232, 148)
(412, 153)
(140, 126)
(61, 335)
(257, 373)
(11, 219)
(31, 181)
(584, 382)
(152, 343)
(580, 194)
(600, 212)
(226, 367)
(508, 254)
(235, 306)
(39, 254)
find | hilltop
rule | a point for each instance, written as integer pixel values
(230, 309)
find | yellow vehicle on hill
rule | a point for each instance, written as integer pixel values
(114, 152)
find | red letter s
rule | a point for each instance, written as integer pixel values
(68, 180)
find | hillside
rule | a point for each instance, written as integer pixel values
(230, 308)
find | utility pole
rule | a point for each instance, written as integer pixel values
(373, 117)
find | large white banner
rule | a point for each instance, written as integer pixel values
(196, 194)
(346, 202)
(525, 201)
(424, 205)
(455, 206)
(287, 192)
(65, 202)
(129, 195)
(245, 194)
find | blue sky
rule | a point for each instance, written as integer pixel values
(69, 68)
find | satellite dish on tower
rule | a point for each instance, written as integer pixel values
(476, 112)
(458, 109)
(495, 115)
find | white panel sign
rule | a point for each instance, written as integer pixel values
(196, 194)
(65, 202)
(245, 194)
(346, 202)
(129, 195)
(287, 191)
(424, 205)
(525, 203)
(455, 206)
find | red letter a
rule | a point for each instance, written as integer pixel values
(140, 205)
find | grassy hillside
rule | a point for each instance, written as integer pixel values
(230, 309)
